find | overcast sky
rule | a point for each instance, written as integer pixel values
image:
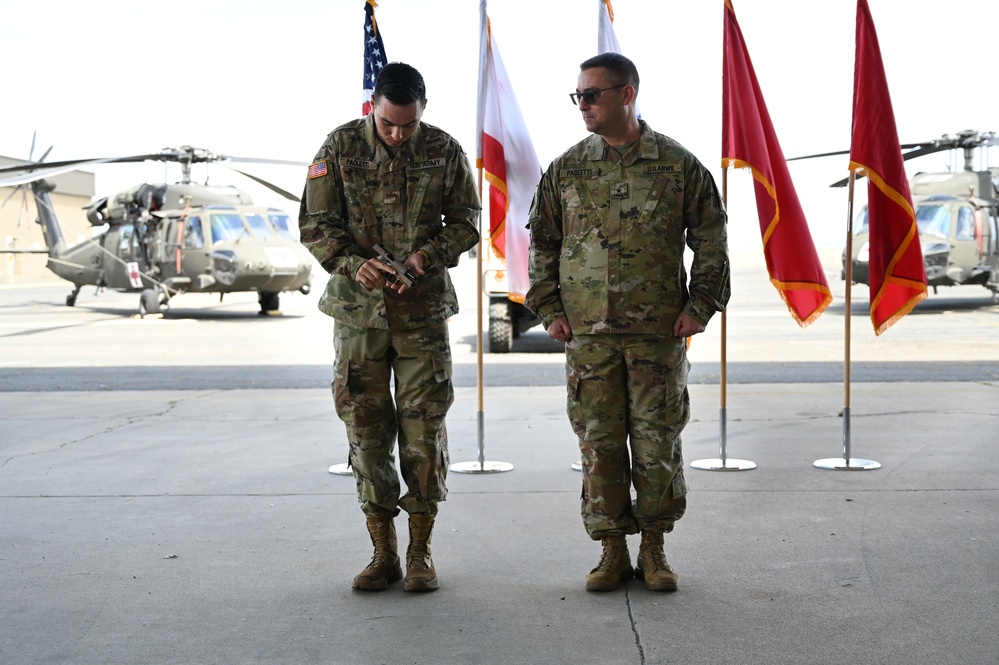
(270, 79)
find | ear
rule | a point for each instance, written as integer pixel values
(628, 95)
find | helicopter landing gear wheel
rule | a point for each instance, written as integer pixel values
(71, 298)
(270, 303)
(149, 303)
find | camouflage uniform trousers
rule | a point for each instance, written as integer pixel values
(629, 389)
(420, 359)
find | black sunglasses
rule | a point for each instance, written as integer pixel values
(590, 96)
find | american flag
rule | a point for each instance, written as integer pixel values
(318, 169)
(374, 54)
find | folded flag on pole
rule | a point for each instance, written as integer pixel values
(606, 38)
(506, 154)
(749, 141)
(374, 55)
(897, 275)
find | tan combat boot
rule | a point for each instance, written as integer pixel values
(652, 565)
(420, 573)
(614, 566)
(384, 567)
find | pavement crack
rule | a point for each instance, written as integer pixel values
(170, 406)
(634, 628)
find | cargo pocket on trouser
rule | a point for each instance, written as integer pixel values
(423, 450)
(572, 407)
(370, 434)
(658, 451)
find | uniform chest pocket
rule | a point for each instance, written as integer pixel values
(358, 187)
(583, 209)
(424, 190)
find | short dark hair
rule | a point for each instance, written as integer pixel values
(620, 70)
(401, 84)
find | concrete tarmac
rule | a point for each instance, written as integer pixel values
(165, 495)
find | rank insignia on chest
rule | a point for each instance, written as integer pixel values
(619, 190)
(318, 169)
(391, 197)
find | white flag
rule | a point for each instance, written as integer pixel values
(606, 39)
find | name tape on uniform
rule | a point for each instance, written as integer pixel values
(355, 163)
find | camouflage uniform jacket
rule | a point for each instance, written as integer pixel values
(358, 195)
(607, 238)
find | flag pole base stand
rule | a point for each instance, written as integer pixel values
(576, 466)
(844, 464)
(727, 464)
(481, 467)
(341, 470)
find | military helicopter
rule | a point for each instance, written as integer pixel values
(162, 240)
(957, 215)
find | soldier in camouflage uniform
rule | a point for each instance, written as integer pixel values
(392, 180)
(608, 226)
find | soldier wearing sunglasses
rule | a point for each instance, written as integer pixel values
(609, 223)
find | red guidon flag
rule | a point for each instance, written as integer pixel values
(897, 275)
(749, 141)
(507, 156)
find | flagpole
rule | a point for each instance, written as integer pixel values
(846, 462)
(481, 465)
(723, 463)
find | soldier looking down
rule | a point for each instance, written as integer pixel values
(609, 222)
(389, 179)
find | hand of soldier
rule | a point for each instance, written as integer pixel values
(415, 265)
(372, 273)
(559, 329)
(686, 325)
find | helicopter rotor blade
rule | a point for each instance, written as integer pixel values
(274, 188)
(258, 160)
(57, 168)
(31, 151)
(9, 197)
(23, 208)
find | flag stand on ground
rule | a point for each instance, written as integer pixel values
(847, 463)
(750, 142)
(501, 137)
(723, 462)
(897, 275)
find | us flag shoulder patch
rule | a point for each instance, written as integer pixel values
(318, 169)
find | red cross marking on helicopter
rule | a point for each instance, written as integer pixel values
(133, 274)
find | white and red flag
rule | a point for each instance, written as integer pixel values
(506, 154)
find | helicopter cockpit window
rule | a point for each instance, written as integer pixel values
(194, 235)
(965, 224)
(934, 219)
(227, 227)
(283, 226)
(259, 226)
(860, 225)
(125, 242)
